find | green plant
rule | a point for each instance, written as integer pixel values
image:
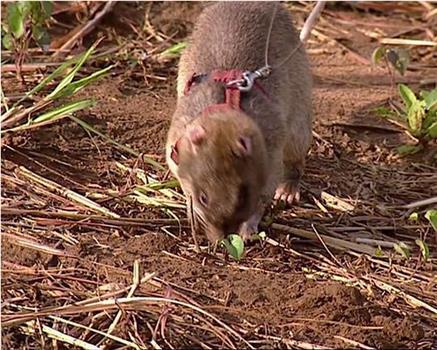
(173, 51)
(402, 249)
(424, 249)
(12, 120)
(418, 114)
(414, 217)
(431, 216)
(25, 21)
(397, 58)
(234, 244)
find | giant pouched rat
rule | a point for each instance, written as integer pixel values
(232, 162)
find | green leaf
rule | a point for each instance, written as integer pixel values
(47, 8)
(432, 130)
(431, 117)
(8, 41)
(229, 247)
(57, 72)
(378, 252)
(174, 50)
(69, 77)
(408, 149)
(234, 244)
(402, 249)
(25, 7)
(431, 216)
(430, 98)
(383, 112)
(15, 19)
(40, 35)
(35, 11)
(414, 217)
(259, 236)
(62, 111)
(40, 11)
(53, 115)
(407, 95)
(416, 114)
(378, 54)
(74, 87)
(424, 249)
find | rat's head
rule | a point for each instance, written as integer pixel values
(222, 164)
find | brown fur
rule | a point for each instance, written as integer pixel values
(232, 35)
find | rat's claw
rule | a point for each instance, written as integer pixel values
(287, 193)
(249, 228)
(247, 231)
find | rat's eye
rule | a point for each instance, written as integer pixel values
(203, 199)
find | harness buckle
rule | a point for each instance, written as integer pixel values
(248, 80)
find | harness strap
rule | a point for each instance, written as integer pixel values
(230, 78)
(232, 93)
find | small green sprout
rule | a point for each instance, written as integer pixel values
(408, 149)
(259, 236)
(424, 249)
(173, 51)
(402, 249)
(414, 217)
(234, 244)
(379, 252)
(418, 115)
(431, 216)
(384, 112)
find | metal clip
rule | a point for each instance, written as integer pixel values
(246, 83)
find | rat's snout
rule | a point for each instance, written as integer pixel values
(214, 233)
(230, 227)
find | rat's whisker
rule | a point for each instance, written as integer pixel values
(200, 216)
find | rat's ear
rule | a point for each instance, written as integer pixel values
(197, 135)
(174, 153)
(243, 147)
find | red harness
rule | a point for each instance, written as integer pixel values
(232, 91)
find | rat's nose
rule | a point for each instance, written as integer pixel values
(214, 234)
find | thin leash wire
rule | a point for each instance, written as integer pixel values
(249, 77)
(269, 33)
(303, 37)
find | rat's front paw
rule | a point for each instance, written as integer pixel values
(288, 193)
(247, 231)
(250, 228)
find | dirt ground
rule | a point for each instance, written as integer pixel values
(298, 294)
